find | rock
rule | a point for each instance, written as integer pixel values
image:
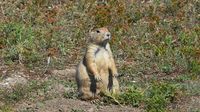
(12, 81)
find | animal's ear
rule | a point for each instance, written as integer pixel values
(92, 29)
(89, 39)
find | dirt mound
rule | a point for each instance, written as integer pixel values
(68, 105)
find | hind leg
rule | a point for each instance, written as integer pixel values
(84, 90)
(86, 94)
(103, 85)
(89, 90)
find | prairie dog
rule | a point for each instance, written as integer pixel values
(97, 72)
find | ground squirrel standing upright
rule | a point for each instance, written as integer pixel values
(97, 72)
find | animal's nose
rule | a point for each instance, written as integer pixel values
(108, 35)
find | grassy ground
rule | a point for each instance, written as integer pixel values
(155, 44)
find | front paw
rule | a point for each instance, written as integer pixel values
(98, 78)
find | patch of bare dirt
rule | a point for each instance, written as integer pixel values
(67, 105)
(186, 104)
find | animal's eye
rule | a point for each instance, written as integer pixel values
(98, 31)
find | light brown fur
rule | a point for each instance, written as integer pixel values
(97, 72)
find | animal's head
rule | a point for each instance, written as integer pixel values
(100, 36)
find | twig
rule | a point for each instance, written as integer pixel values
(47, 66)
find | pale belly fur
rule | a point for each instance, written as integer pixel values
(102, 59)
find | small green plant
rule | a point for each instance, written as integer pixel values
(155, 96)
(194, 67)
(12, 96)
(166, 68)
(131, 96)
(71, 95)
(158, 95)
